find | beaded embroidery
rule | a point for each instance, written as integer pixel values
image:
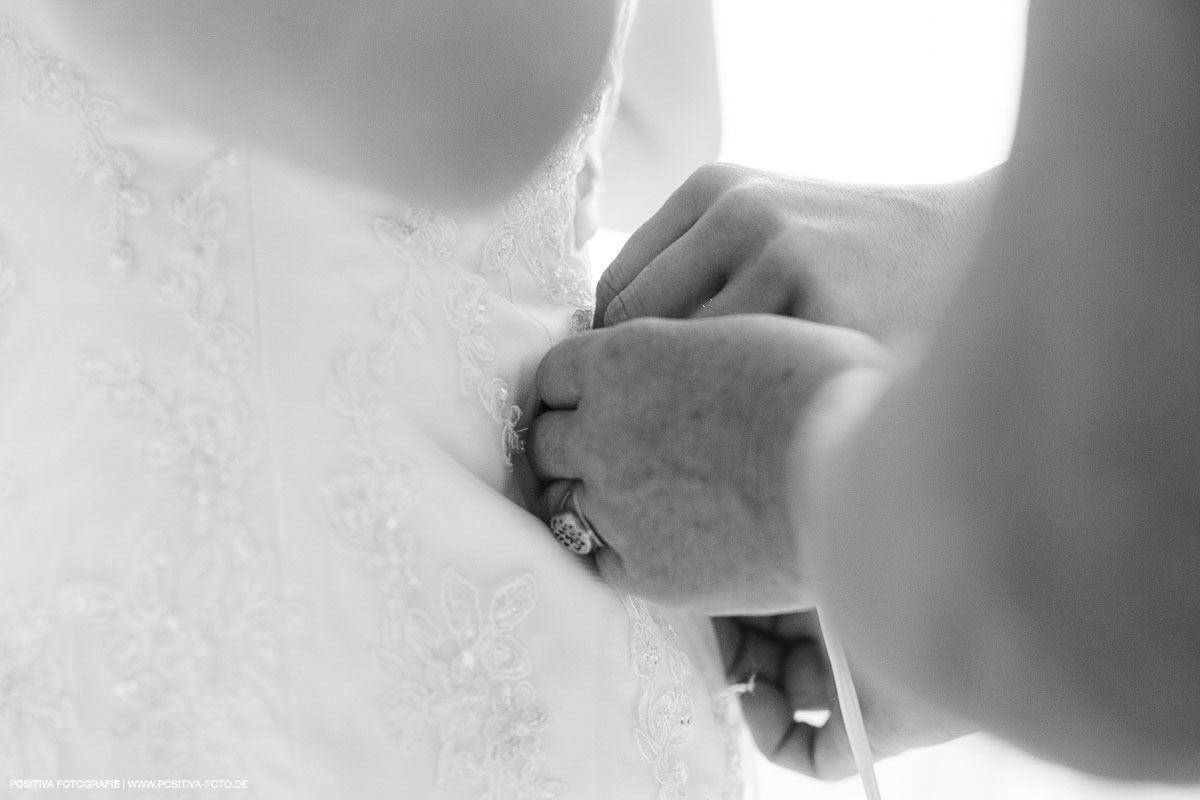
(538, 219)
(467, 304)
(202, 619)
(462, 684)
(422, 238)
(112, 171)
(664, 706)
(369, 505)
(469, 689)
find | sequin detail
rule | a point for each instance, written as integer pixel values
(540, 218)
(201, 620)
(539, 221)
(369, 505)
(112, 171)
(664, 706)
(460, 685)
(468, 688)
(35, 712)
(467, 304)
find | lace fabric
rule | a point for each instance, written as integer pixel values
(286, 439)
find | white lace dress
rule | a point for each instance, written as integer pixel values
(260, 435)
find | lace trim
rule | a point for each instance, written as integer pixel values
(468, 688)
(467, 306)
(421, 238)
(42, 77)
(537, 222)
(369, 506)
(540, 217)
(202, 620)
(35, 712)
(461, 684)
(727, 710)
(664, 706)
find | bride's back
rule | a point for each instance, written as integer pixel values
(472, 94)
(260, 428)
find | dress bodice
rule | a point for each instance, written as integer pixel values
(261, 477)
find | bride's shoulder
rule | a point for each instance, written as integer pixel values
(454, 100)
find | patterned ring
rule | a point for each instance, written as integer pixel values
(571, 528)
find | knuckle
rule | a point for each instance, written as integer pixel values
(626, 305)
(714, 178)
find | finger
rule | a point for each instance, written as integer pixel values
(730, 639)
(753, 293)
(612, 569)
(776, 733)
(758, 655)
(679, 279)
(828, 749)
(806, 676)
(561, 375)
(553, 497)
(673, 220)
(550, 447)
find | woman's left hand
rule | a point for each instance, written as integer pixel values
(783, 660)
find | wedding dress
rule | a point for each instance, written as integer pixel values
(260, 450)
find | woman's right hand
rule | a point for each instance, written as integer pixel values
(735, 240)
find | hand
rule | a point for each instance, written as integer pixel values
(785, 660)
(879, 259)
(679, 433)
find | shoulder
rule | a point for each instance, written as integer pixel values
(454, 100)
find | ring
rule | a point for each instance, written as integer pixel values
(571, 528)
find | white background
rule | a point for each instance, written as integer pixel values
(893, 91)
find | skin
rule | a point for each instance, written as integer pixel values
(468, 93)
(689, 470)
(1009, 533)
(735, 240)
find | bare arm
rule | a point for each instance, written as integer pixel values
(452, 102)
(669, 119)
(1015, 530)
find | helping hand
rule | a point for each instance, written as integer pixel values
(679, 434)
(879, 259)
(783, 658)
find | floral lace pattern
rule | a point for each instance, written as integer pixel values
(202, 619)
(369, 505)
(462, 683)
(664, 706)
(538, 221)
(421, 239)
(112, 171)
(35, 713)
(468, 687)
(467, 305)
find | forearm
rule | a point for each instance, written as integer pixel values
(1011, 531)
